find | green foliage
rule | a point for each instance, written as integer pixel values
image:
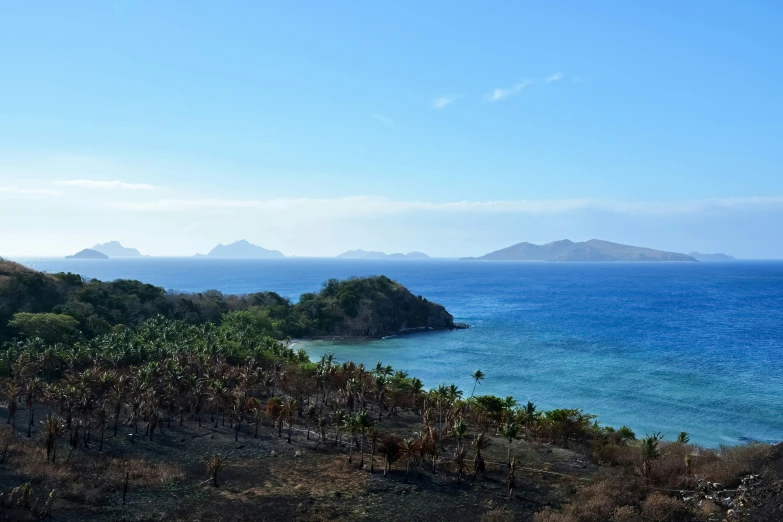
(569, 424)
(650, 449)
(489, 403)
(48, 327)
(626, 434)
(371, 306)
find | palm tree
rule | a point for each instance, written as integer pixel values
(381, 383)
(650, 452)
(459, 459)
(214, 465)
(290, 412)
(53, 428)
(511, 479)
(478, 376)
(481, 443)
(510, 432)
(351, 425)
(118, 395)
(339, 418)
(12, 392)
(459, 431)
(373, 434)
(273, 408)
(363, 423)
(253, 405)
(101, 416)
(33, 388)
(312, 412)
(529, 416)
(509, 404)
(409, 449)
(391, 449)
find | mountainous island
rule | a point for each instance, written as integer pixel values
(88, 253)
(369, 254)
(115, 249)
(592, 250)
(242, 249)
(711, 257)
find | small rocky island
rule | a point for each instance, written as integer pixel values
(88, 253)
(242, 249)
(115, 249)
(371, 254)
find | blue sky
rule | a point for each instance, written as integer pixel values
(452, 128)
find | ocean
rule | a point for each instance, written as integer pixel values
(667, 347)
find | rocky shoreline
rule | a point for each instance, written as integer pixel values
(403, 331)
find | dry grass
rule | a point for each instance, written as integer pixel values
(498, 515)
(86, 477)
(661, 507)
(597, 502)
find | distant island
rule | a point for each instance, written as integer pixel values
(115, 249)
(592, 250)
(242, 249)
(88, 253)
(712, 257)
(365, 254)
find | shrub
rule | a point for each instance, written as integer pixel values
(661, 507)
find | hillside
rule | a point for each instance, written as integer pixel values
(366, 307)
(592, 250)
(370, 254)
(369, 307)
(115, 249)
(88, 253)
(243, 249)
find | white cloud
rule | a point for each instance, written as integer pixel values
(443, 101)
(15, 189)
(96, 184)
(383, 119)
(501, 93)
(555, 77)
(365, 205)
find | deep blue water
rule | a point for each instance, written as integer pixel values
(664, 347)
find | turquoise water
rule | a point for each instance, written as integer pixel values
(664, 347)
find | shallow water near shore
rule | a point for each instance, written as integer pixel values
(668, 347)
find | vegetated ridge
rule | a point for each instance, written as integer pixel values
(592, 250)
(360, 307)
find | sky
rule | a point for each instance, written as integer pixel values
(452, 128)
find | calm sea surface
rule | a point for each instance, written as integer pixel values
(658, 346)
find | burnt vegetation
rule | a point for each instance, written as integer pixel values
(122, 401)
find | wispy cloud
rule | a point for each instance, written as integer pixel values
(112, 185)
(443, 101)
(383, 119)
(555, 77)
(501, 93)
(366, 205)
(15, 189)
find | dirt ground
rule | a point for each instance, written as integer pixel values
(268, 479)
